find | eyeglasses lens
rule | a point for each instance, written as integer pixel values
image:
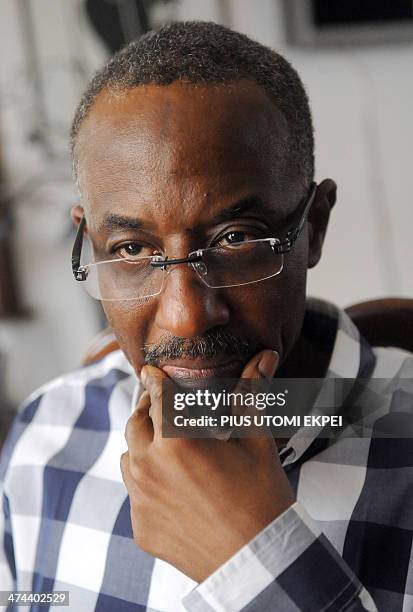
(228, 266)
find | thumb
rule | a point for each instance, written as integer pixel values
(263, 365)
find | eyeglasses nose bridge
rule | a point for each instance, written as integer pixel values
(193, 260)
(167, 263)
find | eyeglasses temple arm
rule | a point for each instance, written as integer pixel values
(292, 235)
(77, 250)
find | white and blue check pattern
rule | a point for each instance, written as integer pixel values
(346, 544)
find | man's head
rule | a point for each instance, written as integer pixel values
(179, 127)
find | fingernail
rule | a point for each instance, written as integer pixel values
(143, 375)
(268, 364)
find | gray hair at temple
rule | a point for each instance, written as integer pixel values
(205, 52)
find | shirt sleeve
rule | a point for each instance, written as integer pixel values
(7, 563)
(289, 566)
(8, 579)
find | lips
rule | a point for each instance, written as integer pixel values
(187, 372)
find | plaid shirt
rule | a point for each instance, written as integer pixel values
(344, 545)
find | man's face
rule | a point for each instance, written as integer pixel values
(173, 158)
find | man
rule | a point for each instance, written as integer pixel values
(194, 146)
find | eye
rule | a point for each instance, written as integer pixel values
(235, 236)
(133, 251)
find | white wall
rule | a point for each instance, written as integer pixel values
(361, 100)
(62, 319)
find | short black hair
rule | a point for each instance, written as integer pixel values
(205, 52)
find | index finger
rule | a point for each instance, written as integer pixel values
(139, 428)
(152, 378)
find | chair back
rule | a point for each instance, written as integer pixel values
(101, 345)
(385, 322)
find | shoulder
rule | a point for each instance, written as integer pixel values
(79, 401)
(101, 374)
(388, 399)
(77, 387)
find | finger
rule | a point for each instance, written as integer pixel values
(124, 466)
(152, 378)
(125, 470)
(139, 428)
(263, 365)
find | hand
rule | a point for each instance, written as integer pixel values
(196, 502)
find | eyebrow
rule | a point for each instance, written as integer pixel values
(249, 204)
(113, 222)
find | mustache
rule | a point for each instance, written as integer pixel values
(214, 342)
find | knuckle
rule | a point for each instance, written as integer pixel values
(142, 474)
(135, 470)
(124, 462)
(128, 429)
(157, 393)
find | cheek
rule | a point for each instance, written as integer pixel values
(273, 309)
(293, 296)
(129, 321)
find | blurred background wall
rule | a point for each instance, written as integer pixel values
(361, 96)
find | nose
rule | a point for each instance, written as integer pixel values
(188, 308)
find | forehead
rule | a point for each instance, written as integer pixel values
(158, 143)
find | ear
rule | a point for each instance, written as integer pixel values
(77, 212)
(318, 217)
